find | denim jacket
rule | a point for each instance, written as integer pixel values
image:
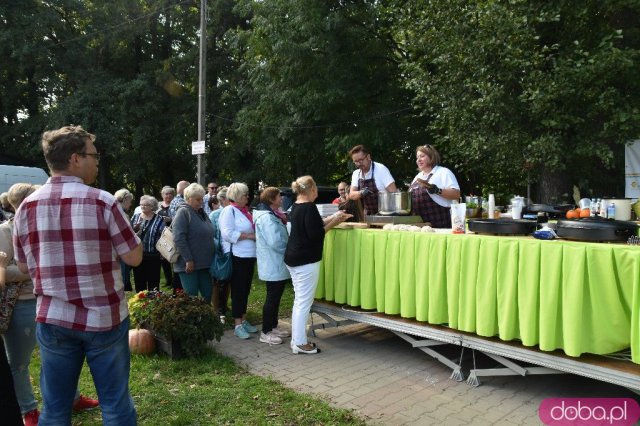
(271, 243)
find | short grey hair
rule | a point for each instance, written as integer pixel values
(168, 190)
(150, 199)
(237, 190)
(123, 195)
(194, 190)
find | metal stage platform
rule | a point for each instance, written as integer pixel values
(616, 369)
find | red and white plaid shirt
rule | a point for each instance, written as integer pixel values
(70, 236)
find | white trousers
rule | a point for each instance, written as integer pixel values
(305, 281)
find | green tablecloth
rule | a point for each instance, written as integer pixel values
(578, 297)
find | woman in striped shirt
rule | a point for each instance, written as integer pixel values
(148, 225)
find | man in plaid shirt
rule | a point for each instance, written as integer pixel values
(70, 237)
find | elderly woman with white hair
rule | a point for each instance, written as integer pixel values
(148, 225)
(193, 236)
(237, 229)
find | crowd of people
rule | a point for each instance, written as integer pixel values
(71, 249)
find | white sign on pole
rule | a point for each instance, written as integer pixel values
(632, 170)
(197, 147)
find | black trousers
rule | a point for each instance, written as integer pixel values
(9, 408)
(221, 291)
(272, 305)
(147, 275)
(167, 270)
(241, 278)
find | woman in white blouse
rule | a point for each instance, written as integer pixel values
(237, 228)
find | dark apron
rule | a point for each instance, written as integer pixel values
(430, 211)
(370, 202)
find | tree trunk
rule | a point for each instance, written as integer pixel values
(553, 187)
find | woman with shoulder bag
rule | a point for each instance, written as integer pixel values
(193, 236)
(221, 287)
(237, 229)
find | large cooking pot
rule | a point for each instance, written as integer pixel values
(394, 203)
(596, 229)
(502, 226)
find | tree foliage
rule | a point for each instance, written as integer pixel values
(527, 90)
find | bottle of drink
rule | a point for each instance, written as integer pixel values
(592, 207)
(611, 211)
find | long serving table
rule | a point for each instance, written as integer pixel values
(577, 297)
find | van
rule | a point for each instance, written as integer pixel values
(10, 175)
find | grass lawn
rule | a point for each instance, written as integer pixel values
(212, 390)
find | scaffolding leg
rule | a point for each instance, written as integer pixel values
(511, 369)
(330, 323)
(425, 346)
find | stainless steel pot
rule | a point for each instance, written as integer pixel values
(394, 203)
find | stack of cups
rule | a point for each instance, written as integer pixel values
(516, 210)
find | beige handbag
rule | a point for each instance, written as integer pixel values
(167, 247)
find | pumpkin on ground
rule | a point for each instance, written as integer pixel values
(141, 341)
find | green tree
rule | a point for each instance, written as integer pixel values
(321, 77)
(526, 90)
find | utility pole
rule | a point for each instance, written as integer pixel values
(202, 85)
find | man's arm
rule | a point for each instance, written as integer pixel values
(134, 257)
(392, 187)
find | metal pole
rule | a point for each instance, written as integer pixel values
(202, 85)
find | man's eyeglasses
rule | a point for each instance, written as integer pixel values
(94, 155)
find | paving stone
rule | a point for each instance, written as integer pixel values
(387, 382)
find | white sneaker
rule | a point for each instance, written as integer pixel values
(280, 332)
(270, 338)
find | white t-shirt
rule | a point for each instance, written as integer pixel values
(382, 176)
(443, 178)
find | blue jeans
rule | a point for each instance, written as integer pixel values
(19, 342)
(62, 352)
(197, 281)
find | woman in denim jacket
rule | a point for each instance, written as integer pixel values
(271, 243)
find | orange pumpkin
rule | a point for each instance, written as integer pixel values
(573, 214)
(585, 213)
(141, 341)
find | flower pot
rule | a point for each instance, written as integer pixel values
(171, 347)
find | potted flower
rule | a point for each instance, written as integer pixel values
(181, 324)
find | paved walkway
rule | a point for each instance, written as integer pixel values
(384, 380)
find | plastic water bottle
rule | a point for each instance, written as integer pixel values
(611, 211)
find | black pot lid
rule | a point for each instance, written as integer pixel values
(506, 221)
(596, 223)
